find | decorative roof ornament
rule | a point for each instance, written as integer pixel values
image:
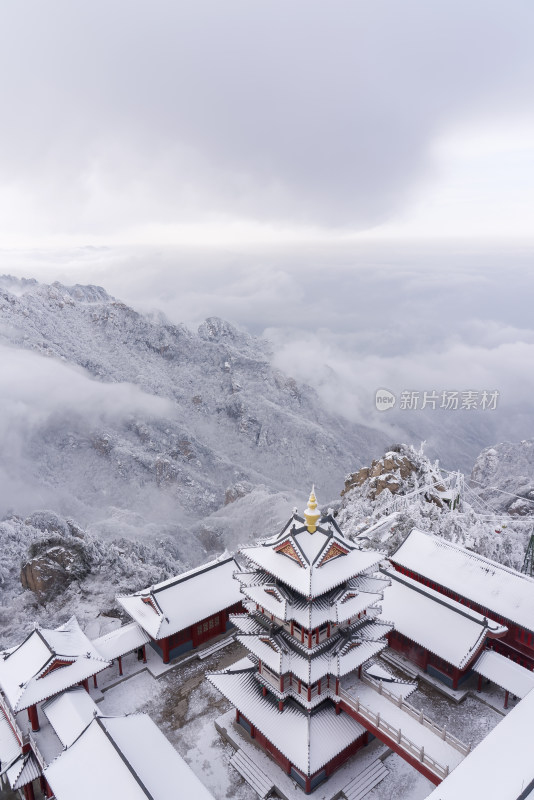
(311, 514)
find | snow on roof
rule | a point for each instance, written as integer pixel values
(337, 656)
(505, 673)
(121, 641)
(309, 742)
(122, 757)
(501, 766)
(435, 622)
(9, 744)
(70, 713)
(46, 663)
(500, 589)
(312, 563)
(398, 687)
(23, 771)
(182, 601)
(284, 605)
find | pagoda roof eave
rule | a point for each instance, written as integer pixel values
(309, 742)
(311, 582)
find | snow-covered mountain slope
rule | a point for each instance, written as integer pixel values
(139, 427)
(70, 571)
(403, 489)
(503, 477)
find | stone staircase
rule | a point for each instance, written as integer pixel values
(254, 776)
(370, 777)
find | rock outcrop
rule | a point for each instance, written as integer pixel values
(387, 472)
(52, 570)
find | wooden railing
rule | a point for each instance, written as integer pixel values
(37, 753)
(443, 733)
(395, 735)
(12, 721)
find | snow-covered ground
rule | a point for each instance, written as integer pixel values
(185, 706)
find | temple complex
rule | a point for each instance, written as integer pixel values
(313, 600)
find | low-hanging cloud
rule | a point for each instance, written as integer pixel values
(40, 394)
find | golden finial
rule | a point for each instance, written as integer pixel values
(311, 515)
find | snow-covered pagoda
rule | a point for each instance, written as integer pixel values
(312, 598)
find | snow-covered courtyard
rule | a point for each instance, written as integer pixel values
(185, 706)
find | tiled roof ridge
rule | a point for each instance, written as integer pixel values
(437, 597)
(445, 543)
(100, 722)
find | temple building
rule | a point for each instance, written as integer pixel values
(55, 742)
(110, 757)
(499, 593)
(439, 635)
(43, 665)
(312, 598)
(182, 613)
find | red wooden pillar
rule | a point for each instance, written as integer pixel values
(299, 685)
(259, 665)
(328, 681)
(338, 708)
(506, 696)
(291, 626)
(264, 691)
(302, 635)
(144, 654)
(328, 630)
(281, 683)
(237, 715)
(308, 785)
(479, 686)
(337, 685)
(85, 684)
(280, 705)
(317, 636)
(48, 790)
(120, 664)
(318, 687)
(166, 650)
(309, 639)
(29, 794)
(309, 693)
(34, 718)
(95, 684)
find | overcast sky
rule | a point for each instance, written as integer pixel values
(353, 179)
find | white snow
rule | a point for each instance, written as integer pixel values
(502, 590)
(501, 767)
(70, 713)
(22, 675)
(122, 757)
(184, 600)
(446, 628)
(314, 578)
(121, 641)
(505, 673)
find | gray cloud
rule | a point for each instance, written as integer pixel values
(121, 114)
